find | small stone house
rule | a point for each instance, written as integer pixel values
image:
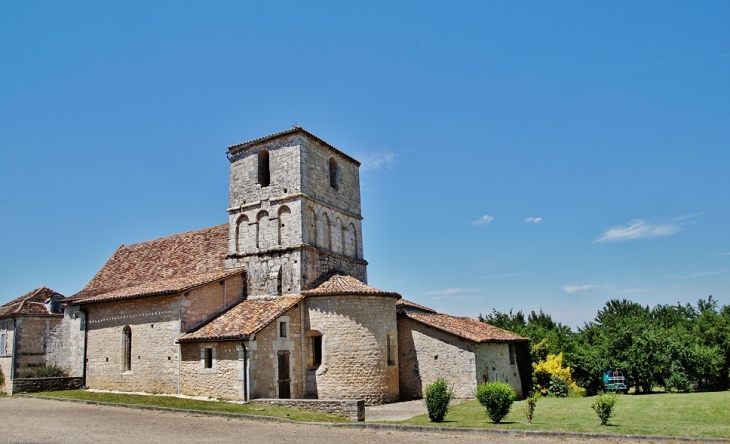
(273, 304)
(464, 351)
(26, 324)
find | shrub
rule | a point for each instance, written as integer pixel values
(438, 396)
(530, 405)
(604, 405)
(558, 387)
(497, 397)
(2, 378)
(546, 374)
(47, 371)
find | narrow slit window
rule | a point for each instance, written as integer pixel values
(333, 173)
(127, 349)
(391, 355)
(316, 350)
(264, 171)
(511, 354)
(208, 363)
(282, 330)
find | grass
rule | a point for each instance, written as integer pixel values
(192, 404)
(666, 414)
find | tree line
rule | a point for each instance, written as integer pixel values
(678, 347)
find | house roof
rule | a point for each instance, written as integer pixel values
(341, 284)
(402, 303)
(466, 328)
(160, 266)
(242, 320)
(297, 129)
(31, 303)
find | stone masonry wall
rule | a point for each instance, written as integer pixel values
(315, 176)
(268, 271)
(264, 361)
(6, 353)
(222, 381)
(66, 342)
(155, 324)
(33, 334)
(355, 331)
(427, 354)
(201, 302)
(284, 161)
(354, 410)
(33, 385)
(493, 364)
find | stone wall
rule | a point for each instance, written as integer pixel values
(155, 324)
(32, 333)
(269, 271)
(223, 380)
(355, 331)
(264, 357)
(66, 342)
(316, 176)
(199, 303)
(493, 363)
(33, 385)
(354, 410)
(427, 354)
(6, 353)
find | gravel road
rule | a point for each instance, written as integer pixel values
(27, 420)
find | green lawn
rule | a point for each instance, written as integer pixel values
(669, 414)
(191, 404)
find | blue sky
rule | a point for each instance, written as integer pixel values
(517, 155)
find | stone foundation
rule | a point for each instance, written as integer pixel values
(354, 409)
(33, 385)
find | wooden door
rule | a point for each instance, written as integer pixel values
(284, 378)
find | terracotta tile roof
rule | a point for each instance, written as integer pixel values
(161, 265)
(31, 303)
(402, 303)
(341, 284)
(243, 319)
(297, 129)
(466, 328)
(159, 287)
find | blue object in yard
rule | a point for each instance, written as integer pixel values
(614, 381)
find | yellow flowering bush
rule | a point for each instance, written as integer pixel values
(551, 369)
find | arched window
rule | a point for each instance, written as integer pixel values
(333, 173)
(241, 233)
(351, 245)
(283, 224)
(326, 238)
(264, 171)
(127, 349)
(312, 227)
(260, 230)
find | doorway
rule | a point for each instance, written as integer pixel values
(284, 377)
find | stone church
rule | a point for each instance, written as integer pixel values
(273, 304)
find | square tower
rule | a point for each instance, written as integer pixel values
(294, 212)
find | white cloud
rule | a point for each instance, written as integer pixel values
(701, 274)
(575, 288)
(533, 220)
(484, 220)
(377, 160)
(638, 229)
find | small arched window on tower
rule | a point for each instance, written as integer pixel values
(264, 171)
(127, 349)
(333, 173)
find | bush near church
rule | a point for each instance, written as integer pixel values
(497, 397)
(437, 397)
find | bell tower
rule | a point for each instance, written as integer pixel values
(294, 212)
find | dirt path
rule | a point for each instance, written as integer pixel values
(43, 421)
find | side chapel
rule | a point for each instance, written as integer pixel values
(273, 304)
